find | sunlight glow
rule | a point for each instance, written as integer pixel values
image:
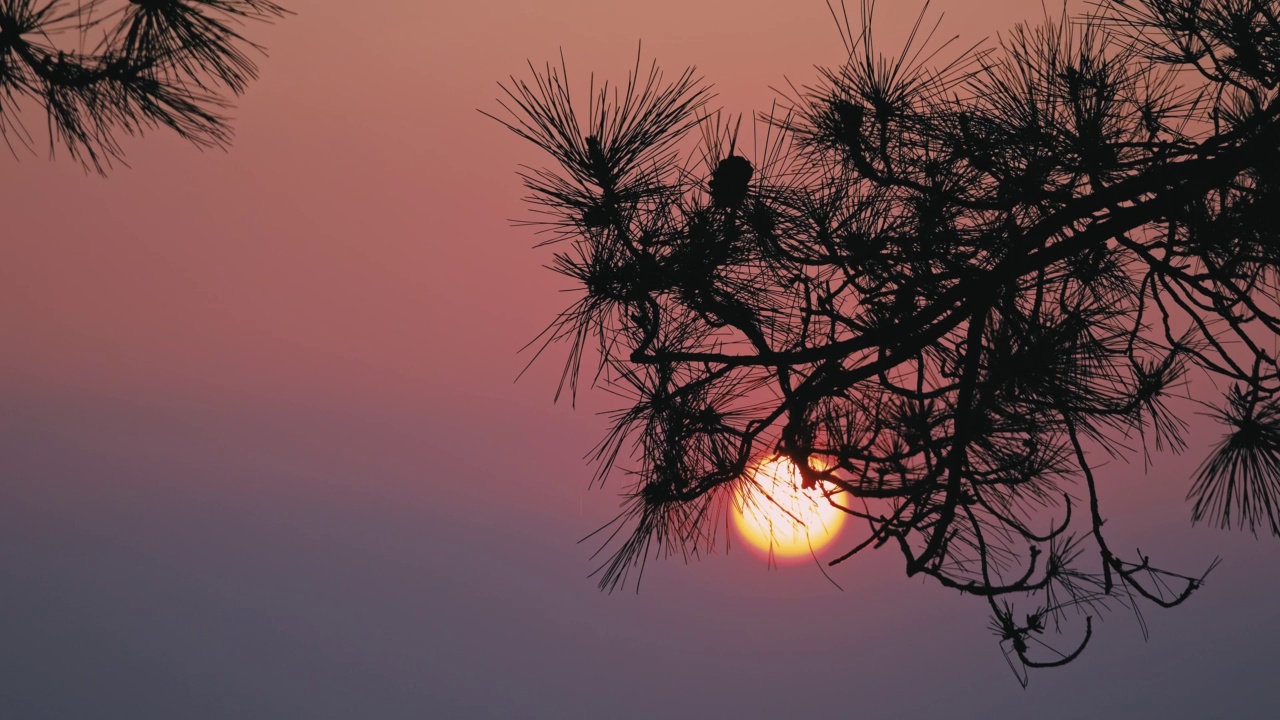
(779, 519)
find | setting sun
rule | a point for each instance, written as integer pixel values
(779, 518)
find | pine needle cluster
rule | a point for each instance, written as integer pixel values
(103, 69)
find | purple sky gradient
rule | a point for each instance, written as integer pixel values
(262, 455)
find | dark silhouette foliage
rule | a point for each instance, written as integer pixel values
(100, 68)
(947, 289)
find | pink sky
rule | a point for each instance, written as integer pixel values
(263, 446)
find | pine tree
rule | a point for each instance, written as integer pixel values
(99, 69)
(944, 288)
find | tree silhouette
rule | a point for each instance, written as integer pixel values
(943, 288)
(100, 68)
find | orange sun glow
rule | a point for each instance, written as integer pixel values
(776, 517)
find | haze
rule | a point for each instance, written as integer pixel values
(262, 455)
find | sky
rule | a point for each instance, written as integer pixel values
(263, 453)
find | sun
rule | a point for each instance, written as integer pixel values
(777, 518)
